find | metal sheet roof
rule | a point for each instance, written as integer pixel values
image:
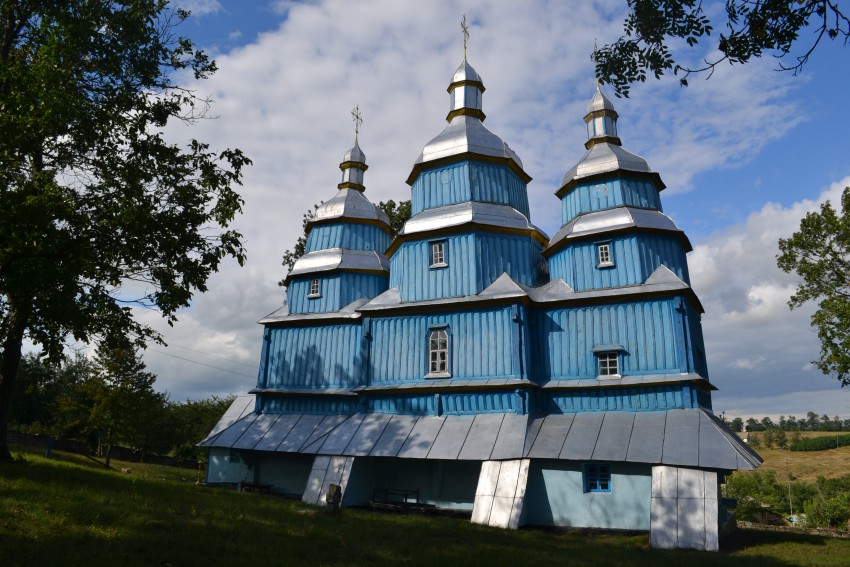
(339, 259)
(620, 218)
(241, 406)
(602, 158)
(283, 315)
(466, 134)
(685, 437)
(349, 204)
(490, 214)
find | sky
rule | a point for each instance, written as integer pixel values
(745, 155)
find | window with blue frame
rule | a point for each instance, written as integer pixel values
(597, 478)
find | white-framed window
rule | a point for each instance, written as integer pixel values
(315, 289)
(604, 259)
(438, 353)
(608, 364)
(597, 478)
(438, 254)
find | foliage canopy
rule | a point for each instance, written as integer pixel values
(819, 253)
(101, 211)
(751, 29)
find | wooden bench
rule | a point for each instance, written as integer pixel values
(402, 495)
(254, 487)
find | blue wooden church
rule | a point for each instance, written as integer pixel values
(474, 363)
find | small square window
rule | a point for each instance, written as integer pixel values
(608, 364)
(603, 255)
(597, 478)
(315, 289)
(438, 254)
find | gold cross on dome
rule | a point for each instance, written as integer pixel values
(465, 31)
(358, 120)
(595, 56)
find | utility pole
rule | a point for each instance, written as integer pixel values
(788, 472)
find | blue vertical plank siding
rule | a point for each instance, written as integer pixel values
(474, 261)
(425, 404)
(480, 345)
(313, 357)
(660, 397)
(338, 289)
(697, 343)
(635, 257)
(469, 180)
(466, 403)
(322, 405)
(348, 235)
(518, 256)
(596, 196)
(565, 337)
(499, 401)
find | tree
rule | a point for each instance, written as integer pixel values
(100, 211)
(780, 438)
(752, 29)
(737, 425)
(397, 213)
(192, 421)
(124, 405)
(819, 253)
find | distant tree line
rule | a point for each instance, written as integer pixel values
(110, 400)
(785, 434)
(812, 422)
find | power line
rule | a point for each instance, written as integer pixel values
(201, 363)
(212, 355)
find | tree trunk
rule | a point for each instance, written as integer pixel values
(10, 360)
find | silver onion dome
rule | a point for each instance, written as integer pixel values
(355, 154)
(465, 132)
(604, 152)
(349, 204)
(353, 166)
(600, 101)
(466, 73)
(601, 119)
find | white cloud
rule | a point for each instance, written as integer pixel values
(756, 347)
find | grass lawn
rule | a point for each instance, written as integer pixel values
(67, 511)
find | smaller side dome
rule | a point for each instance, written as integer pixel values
(465, 93)
(353, 166)
(600, 101)
(601, 119)
(465, 73)
(355, 154)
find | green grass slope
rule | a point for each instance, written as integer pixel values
(67, 511)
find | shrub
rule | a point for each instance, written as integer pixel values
(828, 512)
(820, 443)
(754, 490)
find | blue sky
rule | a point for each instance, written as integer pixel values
(744, 155)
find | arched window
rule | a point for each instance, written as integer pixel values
(438, 352)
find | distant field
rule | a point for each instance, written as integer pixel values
(804, 465)
(67, 511)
